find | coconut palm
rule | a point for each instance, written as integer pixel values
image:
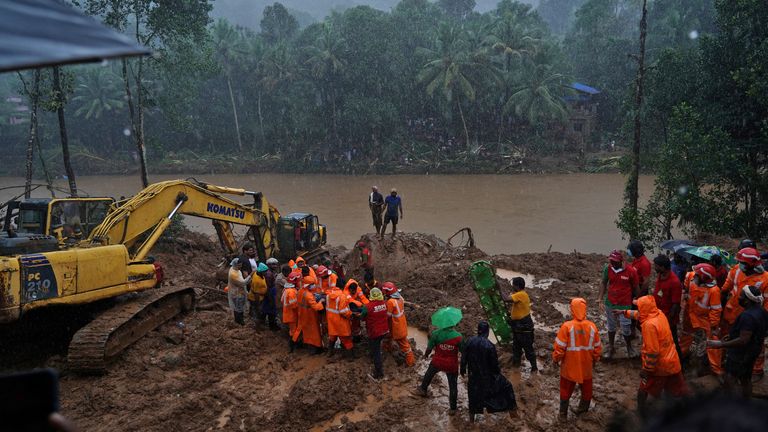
(453, 70)
(537, 98)
(98, 91)
(324, 62)
(229, 47)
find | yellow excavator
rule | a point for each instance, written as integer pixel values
(80, 250)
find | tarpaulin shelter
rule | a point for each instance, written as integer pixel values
(38, 33)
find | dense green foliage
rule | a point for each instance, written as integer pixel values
(707, 112)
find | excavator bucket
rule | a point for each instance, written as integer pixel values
(483, 276)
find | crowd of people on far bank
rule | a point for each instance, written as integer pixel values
(696, 315)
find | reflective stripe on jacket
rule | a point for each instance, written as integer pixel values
(577, 344)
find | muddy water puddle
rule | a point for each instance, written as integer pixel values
(530, 280)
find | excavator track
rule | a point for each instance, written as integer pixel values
(94, 345)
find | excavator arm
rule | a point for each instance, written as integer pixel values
(139, 221)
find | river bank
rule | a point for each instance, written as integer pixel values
(191, 163)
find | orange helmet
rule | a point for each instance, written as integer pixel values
(294, 277)
(705, 272)
(388, 288)
(323, 271)
(748, 256)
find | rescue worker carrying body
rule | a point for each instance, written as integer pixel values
(356, 300)
(290, 304)
(398, 324)
(377, 325)
(308, 325)
(661, 371)
(750, 271)
(327, 279)
(702, 319)
(338, 315)
(577, 346)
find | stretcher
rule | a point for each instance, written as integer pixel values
(483, 276)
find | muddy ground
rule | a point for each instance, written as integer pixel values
(201, 372)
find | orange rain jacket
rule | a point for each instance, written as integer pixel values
(309, 322)
(703, 306)
(290, 305)
(577, 344)
(337, 312)
(658, 352)
(398, 325)
(359, 298)
(327, 283)
(734, 283)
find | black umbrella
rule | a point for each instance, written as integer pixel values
(677, 245)
(37, 33)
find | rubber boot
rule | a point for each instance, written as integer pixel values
(516, 362)
(563, 416)
(291, 345)
(611, 346)
(582, 408)
(534, 366)
(318, 351)
(631, 353)
(239, 318)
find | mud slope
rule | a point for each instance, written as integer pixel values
(200, 372)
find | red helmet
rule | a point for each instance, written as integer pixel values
(294, 277)
(749, 256)
(361, 244)
(616, 256)
(323, 271)
(705, 272)
(388, 288)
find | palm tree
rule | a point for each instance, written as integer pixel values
(229, 46)
(98, 91)
(275, 68)
(537, 98)
(453, 69)
(325, 63)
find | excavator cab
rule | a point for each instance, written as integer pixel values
(299, 233)
(69, 220)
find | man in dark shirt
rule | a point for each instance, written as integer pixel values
(393, 204)
(376, 204)
(668, 294)
(745, 340)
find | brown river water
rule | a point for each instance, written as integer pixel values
(507, 214)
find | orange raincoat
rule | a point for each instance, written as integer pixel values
(327, 283)
(309, 323)
(359, 298)
(290, 309)
(658, 353)
(398, 325)
(734, 283)
(337, 312)
(577, 344)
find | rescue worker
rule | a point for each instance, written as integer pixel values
(290, 304)
(308, 280)
(356, 300)
(236, 290)
(721, 270)
(269, 305)
(376, 205)
(447, 343)
(377, 325)
(636, 251)
(619, 285)
(398, 325)
(522, 325)
(327, 279)
(750, 271)
(308, 325)
(366, 258)
(661, 371)
(258, 291)
(576, 348)
(668, 292)
(280, 281)
(745, 341)
(487, 388)
(702, 318)
(338, 316)
(301, 263)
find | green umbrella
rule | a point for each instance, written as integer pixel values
(707, 252)
(446, 317)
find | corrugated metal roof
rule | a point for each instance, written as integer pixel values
(584, 88)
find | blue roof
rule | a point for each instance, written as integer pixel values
(584, 88)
